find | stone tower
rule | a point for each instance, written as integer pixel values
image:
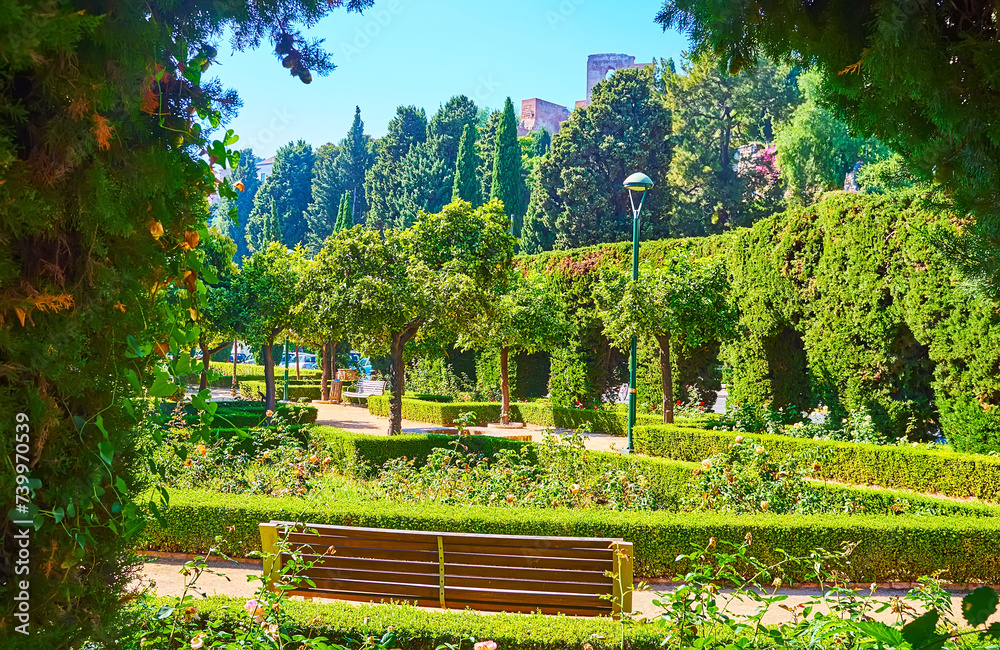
(598, 66)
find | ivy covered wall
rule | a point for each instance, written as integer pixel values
(843, 304)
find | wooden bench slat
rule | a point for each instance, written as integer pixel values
(452, 580)
(455, 605)
(352, 532)
(298, 540)
(470, 594)
(451, 569)
(482, 560)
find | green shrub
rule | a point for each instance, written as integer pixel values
(424, 629)
(296, 390)
(889, 549)
(669, 480)
(243, 417)
(429, 397)
(903, 467)
(610, 421)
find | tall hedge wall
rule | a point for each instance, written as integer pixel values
(844, 303)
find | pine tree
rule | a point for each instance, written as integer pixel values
(466, 185)
(245, 172)
(327, 190)
(507, 181)
(287, 193)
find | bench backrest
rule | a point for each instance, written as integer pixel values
(511, 573)
(370, 387)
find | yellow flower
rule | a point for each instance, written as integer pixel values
(269, 413)
(202, 449)
(188, 463)
(574, 488)
(764, 505)
(759, 449)
(707, 464)
(155, 228)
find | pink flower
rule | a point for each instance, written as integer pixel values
(485, 645)
(254, 609)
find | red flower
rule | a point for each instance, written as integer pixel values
(678, 402)
(701, 403)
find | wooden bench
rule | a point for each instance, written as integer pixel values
(510, 573)
(365, 389)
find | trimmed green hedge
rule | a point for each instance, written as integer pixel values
(613, 421)
(252, 415)
(246, 372)
(296, 389)
(901, 467)
(348, 448)
(667, 479)
(889, 548)
(423, 629)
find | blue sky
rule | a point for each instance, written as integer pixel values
(423, 52)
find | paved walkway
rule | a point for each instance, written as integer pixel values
(353, 417)
(168, 582)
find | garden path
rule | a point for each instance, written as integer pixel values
(353, 417)
(165, 573)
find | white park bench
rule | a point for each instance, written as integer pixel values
(365, 389)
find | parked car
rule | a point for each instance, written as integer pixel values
(363, 364)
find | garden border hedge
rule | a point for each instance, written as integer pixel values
(667, 478)
(921, 470)
(425, 629)
(613, 422)
(297, 389)
(965, 549)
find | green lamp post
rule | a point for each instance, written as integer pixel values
(636, 183)
(284, 394)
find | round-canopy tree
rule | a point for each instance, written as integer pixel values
(525, 317)
(442, 271)
(267, 291)
(683, 300)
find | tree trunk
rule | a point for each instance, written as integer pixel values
(235, 384)
(397, 377)
(324, 382)
(206, 359)
(269, 390)
(666, 379)
(333, 345)
(298, 368)
(504, 387)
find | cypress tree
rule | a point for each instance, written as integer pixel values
(466, 185)
(507, 180)
(345, 217)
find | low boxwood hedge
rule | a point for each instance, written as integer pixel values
(964, 549)
(297, 390)
(610, 421)
(424, 629)
(668, 479)
(902, 467)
